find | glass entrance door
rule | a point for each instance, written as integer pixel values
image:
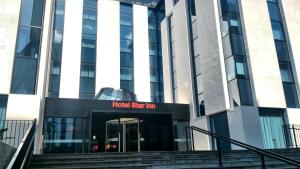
(122, 135)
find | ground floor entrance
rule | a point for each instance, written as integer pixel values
(123, 135)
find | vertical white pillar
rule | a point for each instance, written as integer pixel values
(71, 52)
(141, 53)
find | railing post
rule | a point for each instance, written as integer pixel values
(219, 152)
(186, 137)
(296, 144)
(263, 165)
(192, 137)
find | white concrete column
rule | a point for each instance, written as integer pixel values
(141, 53)
(108, 45)
(71, 52)
(9, 17)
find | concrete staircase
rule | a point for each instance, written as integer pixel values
(160, 160)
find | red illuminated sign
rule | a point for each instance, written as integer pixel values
(133, 105)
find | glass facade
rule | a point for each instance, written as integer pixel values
(56, 51)
(235, 54)
(27, 52)
(88, 50)
(3, 108)
(283, 55)
(126, 47)
(155, 16)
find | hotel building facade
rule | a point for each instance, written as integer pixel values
(229, 66)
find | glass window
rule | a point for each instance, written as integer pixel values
(55, 68)
(32, 12)
(153, 62)
(91, 3)
(152, 36)
(286, 72)
(231, 22)
(126, 32)
(241, 66)
(126, 73)
(290, 95)
(282, 50)
(87, 70)
(245, 92)
(87, 85)
(126, 45)
(230, 68)
(274, 12)
(89, 27)
(90, 13)
(54, 83)
(154, 89)
(24, 76)
(152, 24)
(88, 55)
(3, 107)
(237, 44)
(56, 51)
(126, 59)
(28, 43)
(127, 85)
(59, 15)
(126, 9)
(152, 49)
(229, 6)
(154, 76)
(278, 32)
(126, 20)
(58, 37)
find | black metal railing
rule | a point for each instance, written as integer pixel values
(24, 151)
(292, 135)
(12, 131)
(261, 152)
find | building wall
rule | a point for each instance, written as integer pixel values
(9, 16)
(71, 52)
(261, 52)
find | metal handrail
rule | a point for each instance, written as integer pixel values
(260, 151)
(24, 151)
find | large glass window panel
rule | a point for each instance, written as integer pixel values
(58, 37)
(90, 13)
(56, 51)
(126, 9)
(126, 32)
(126, 59)
(87, 70)
(153, 62)
(87, 85)
(278, 32)
(229, 6)
(241, 66)
(286, 72)
(274, 11)
(237, 44)
(154, 89)
(290, 95)
(32, 12)
(230, 68)
(154, 76)
(282, 50)
(231, 23)
(126, 45)
(59, 15)
(152, 24)
(88, 55)
(24, 75)
(126, 20)
(28, 43)
(152, 49)
(152, 36)
(3, 107)
(55, 68)
(126, 73)
(54, 83)
(127, 85)
(89, 27)
(90, 3)
(245, 92)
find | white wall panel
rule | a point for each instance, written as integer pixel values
(262, 55)
(108, 45)
(9, 16)
(23, 107)
(71, 53)
(141, 53)
(291, 14)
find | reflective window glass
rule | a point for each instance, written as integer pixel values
(126, 32)
(154, 89)
(87, 85)
(152, 36)
(58, 37)
(152, 24)
(126, 20)
(87, 70)
(286, 72)
(24, 75)
(152, 49)
(229, 6)
(54, 83)
(28, 43)
(245, 92)
(274, 12)
(126, 73)
(126, 59)
(126, 45)
(89, 27)
(90, 13)
(127, 85)
(32, 12)
(154, 76)
(237, 44)
(126, 9)
(91, 3)
(278, 32)
(290, 95)
(59, 15)
(56, 51)
(282, 50)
